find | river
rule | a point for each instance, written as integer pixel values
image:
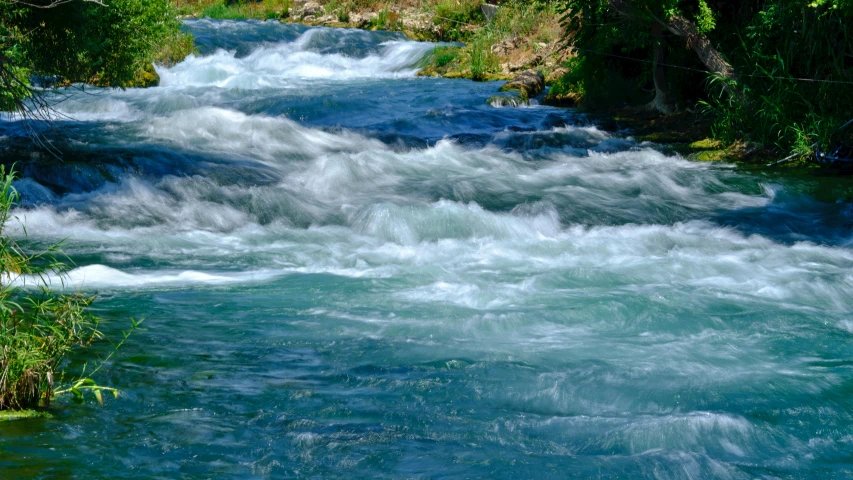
(348, 271)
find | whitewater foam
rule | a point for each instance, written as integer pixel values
(283, 65)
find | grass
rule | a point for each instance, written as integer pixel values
(222, 10)
(482, 61)
(518, 31)
(527, 27)
(39, 328)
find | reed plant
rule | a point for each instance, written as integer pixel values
(39, 327)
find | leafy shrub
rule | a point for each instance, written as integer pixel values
(793, 61)
(455, 16)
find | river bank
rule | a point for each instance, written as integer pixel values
(516, 37)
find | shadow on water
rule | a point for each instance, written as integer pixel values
(804, 207)
(79, 166)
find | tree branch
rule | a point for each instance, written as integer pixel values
(53, 3)
(684, 28)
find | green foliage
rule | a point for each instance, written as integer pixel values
(174, 48)
(445, 56)
(522, 18)
(83, 41)
(773, 46)
(789, 57)
(228, 10)
(482, 60)
(568, 84)
(456, 17)
(442, 60)
(221, 11)
(14, 80)
(705, 19)
(38, 327)
(87, 42)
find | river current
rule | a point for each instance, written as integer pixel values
(348, 271)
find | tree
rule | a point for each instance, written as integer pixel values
(108, 43)
(778, 72)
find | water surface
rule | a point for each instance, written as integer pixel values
(347, 271)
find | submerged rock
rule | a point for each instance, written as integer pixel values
(503, 101)
(529, 83)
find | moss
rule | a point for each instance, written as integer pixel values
(710, 156)
(498, 101)
(149, 77)
(515, 92)
(457, 74)
(707, 144)
(562, 100)
(8, 416)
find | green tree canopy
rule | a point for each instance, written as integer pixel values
(108, 43)
(774, 71)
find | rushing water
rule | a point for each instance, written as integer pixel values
(347, 271)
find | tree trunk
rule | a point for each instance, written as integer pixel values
(685, 29)
(700, 44)
(663, 101)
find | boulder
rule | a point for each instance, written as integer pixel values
(362, 20)
(327, 19)
(313, 8)
(556, 75)
(310, 9)
(529, 83)
(504, 47)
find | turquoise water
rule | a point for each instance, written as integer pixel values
(347, 271)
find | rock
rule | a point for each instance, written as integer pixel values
(530, 83)
(362, 20)
(417, 24)
(504, 47)
(314, 8)
(503, 101)
(357, 20)
(556, 75)
(489, 11)
(310, 9)
(562, 100)
(523, 64)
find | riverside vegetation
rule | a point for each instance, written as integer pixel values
(55, 43)
(776, 74)
(39, 327)
(760, 80)
(62, 43)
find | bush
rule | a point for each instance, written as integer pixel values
(793, 61)
(454, 18)
(226, 10)
(87, 42)
(784, 42)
